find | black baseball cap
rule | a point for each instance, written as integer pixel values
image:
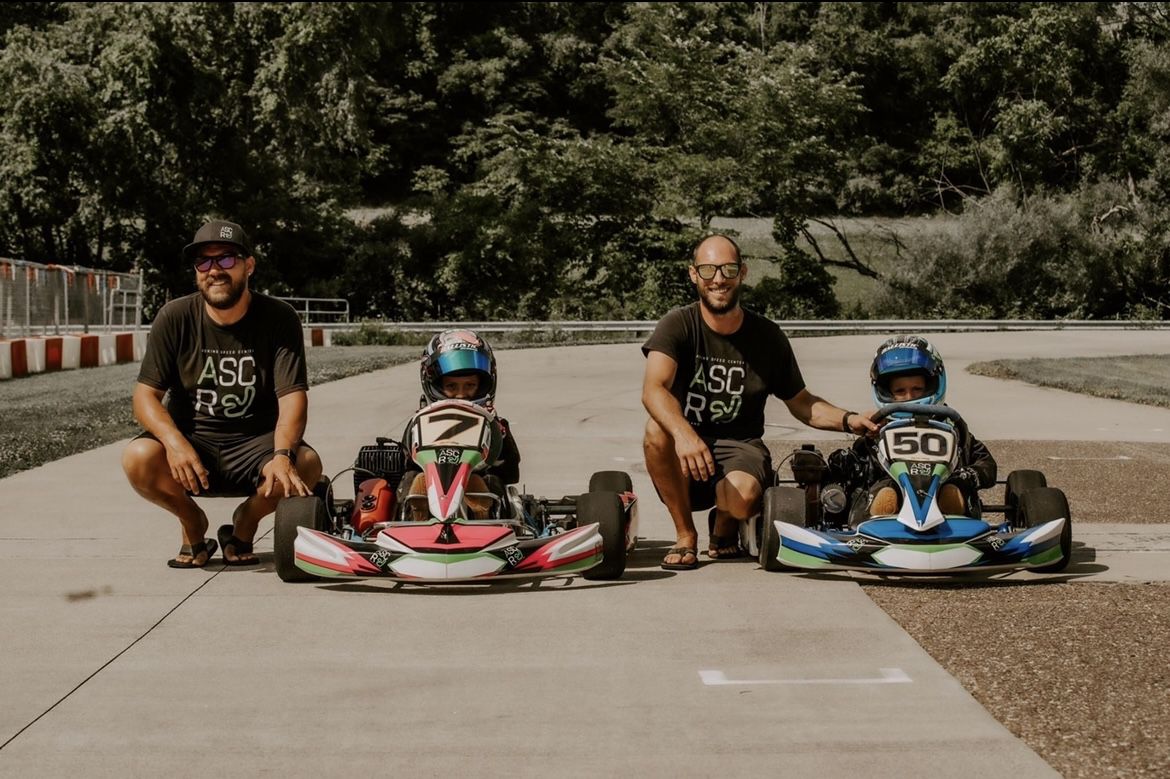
(219, 231)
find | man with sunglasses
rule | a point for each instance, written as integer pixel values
(222, 394)
(710, 367)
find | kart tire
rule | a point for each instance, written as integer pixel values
(611, 481)
(1019, 482)
(292, 513)
(786, 504)
(605, 508)
(323, 489)
(1044, 504)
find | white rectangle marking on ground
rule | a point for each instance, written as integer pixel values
(1090, 459)
(888, 676)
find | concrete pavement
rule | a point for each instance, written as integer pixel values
(114, 665)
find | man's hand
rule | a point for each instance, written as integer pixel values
(186, 467)
(694, 457)
(966, 479)
(863, 424)
(280, 469)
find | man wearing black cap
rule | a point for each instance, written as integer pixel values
(223, 395)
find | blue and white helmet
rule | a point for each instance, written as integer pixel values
(908, 355)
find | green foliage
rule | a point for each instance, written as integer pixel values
(803, 289)
(1085, 256)
(557, 160)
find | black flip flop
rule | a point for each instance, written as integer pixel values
(227, 537)
(194, 550)
(682, 552)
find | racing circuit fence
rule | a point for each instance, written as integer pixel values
(38, 299)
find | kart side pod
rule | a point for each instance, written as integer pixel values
(374, 503)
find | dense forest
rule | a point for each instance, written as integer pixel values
(557, 160)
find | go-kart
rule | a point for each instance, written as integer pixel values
(822, 522)
(451, 534)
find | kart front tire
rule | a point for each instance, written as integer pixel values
(1019, 482)
(611, 481)
(1044, 504)
(786, 504)
(293, 513)
(605, 508)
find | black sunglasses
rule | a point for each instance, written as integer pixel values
(729, 270)
(225, 261)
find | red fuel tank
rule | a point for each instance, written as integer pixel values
(374, 503)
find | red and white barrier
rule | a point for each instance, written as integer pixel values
(21, 357)
(318, 336)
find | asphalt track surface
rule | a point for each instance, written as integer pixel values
(112, 664)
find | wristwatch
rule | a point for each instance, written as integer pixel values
(291, 454)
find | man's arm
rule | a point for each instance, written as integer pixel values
(186, 467)
(817, 412)
(693, 455)
(292, 416)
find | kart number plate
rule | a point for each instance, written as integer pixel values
(921, 444)
(451, 427)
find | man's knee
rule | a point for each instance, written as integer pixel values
(739, 494)
(141, 459)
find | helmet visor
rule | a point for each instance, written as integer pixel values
(463, 360)
(906, 359)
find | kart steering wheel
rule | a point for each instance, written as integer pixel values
(925, 411)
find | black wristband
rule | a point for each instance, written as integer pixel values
(291, 454)
(845, 421)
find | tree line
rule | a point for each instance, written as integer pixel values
(557, 160)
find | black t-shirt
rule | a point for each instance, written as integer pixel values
(225, 380)
(723, 381)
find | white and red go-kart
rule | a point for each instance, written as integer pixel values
(385, 532)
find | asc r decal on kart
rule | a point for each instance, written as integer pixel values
(921, 469)
(856, 544)
(448, 456)
(514, 555)
(381, 558)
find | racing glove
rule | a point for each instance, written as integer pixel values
(966, 479)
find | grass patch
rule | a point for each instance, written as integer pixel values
(1142, 378)
(874, 239)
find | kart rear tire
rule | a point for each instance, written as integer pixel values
(605, 508)
(292, 513)
(323, 489)
(1044, 504)
(611, 481)
(1019, 482)
(786, 504)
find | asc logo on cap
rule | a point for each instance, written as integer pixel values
(225, 232)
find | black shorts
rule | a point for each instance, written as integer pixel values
(751, 457)
(233, 463)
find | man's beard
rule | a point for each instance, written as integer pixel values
(220, 297)
(732, 300)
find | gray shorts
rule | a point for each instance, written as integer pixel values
(233, 464)
(751, 457)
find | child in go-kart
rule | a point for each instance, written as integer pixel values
(460, 365)
(908, 369)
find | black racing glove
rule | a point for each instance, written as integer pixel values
(966, 479)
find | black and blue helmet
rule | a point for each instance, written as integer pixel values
(908, 355)
(458, 353)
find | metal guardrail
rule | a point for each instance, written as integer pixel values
(793, 325)
(320, 311)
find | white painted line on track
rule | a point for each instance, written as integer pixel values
(889, 676)
(1090, 459)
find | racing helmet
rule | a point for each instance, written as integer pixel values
(908, 355)
(458, 353)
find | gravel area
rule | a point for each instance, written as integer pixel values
(1077, 670)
